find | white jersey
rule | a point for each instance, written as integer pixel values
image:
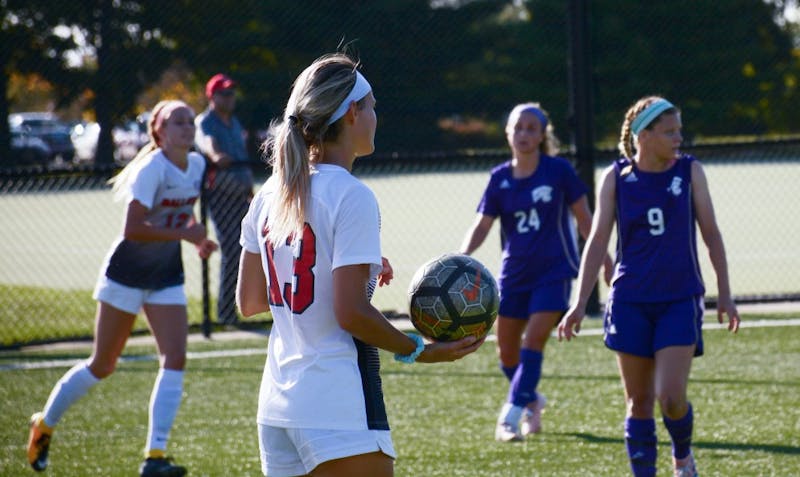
(317, 375)
(169, 194)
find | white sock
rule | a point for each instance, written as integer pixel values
(164, 403)
(510, 414)
(72, 386)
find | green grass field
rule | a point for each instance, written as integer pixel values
(46, 278)
(745, 391)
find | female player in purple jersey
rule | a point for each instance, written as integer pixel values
(143, 270)
(654, 311)
(535, 195)
(311, 255)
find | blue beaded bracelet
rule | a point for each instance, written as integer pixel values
(410, 358)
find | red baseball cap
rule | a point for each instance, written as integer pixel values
(218, 82)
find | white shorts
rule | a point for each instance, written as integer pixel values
(131, 299)
(292, 452)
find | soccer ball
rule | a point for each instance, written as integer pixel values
(453, 296)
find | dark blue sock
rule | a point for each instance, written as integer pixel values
(640, 440)
(509, 370)
(523, 384)
(680, 430)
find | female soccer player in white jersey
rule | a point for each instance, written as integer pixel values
(654, 309)
(143, 270)
(535, 195)
(311, 253)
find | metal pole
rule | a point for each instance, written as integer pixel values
(206, 324)
(580, 106)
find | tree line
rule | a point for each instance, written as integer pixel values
(445, 72)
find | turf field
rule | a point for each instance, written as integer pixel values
(59, 239)
(53, 243)
(745, 391)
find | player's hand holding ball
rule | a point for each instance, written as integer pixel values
(440, 351)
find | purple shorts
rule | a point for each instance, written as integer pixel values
(552, 296)
(641, 329)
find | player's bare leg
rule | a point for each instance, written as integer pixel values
(112, 329)
(509, 339)
(673, 365)
(373, 464)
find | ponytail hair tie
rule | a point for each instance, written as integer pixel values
(293, 119)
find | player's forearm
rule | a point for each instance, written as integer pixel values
(145, 232)
(718, 258)
(473, 240)
(369, 325)
(593, 257)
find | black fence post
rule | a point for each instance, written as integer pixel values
(580, 106)
(206, 325)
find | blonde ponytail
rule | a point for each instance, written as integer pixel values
(296, 141)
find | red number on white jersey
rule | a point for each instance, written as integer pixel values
(300, 296)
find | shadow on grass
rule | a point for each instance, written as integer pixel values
(432, 371)
(732, 446)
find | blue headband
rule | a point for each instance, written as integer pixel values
(650, 113)
(528, 108)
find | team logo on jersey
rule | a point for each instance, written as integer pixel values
(675, 187)
(542, 193)
(505, 184)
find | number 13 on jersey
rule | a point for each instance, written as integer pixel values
(299, 293)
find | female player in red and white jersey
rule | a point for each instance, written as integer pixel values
(143, 270)
(654, 311)
(311, 253)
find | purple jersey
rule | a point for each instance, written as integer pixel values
(540, 242)
(656, 234)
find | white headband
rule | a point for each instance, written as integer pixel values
(360, 89)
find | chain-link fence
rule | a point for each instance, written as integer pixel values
(56, 229)
(445, 73)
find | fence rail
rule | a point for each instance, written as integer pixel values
(56, 227)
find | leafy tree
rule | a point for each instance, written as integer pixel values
(130, 50)
(725, 63)
(30, 45)
(445, 72)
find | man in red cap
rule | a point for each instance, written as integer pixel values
(221, 138)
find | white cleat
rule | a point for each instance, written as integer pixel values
(688, 469)
(505, 432)
(532, 418)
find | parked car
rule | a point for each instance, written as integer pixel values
(128, 139)
(27, 149)
(48, 128)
